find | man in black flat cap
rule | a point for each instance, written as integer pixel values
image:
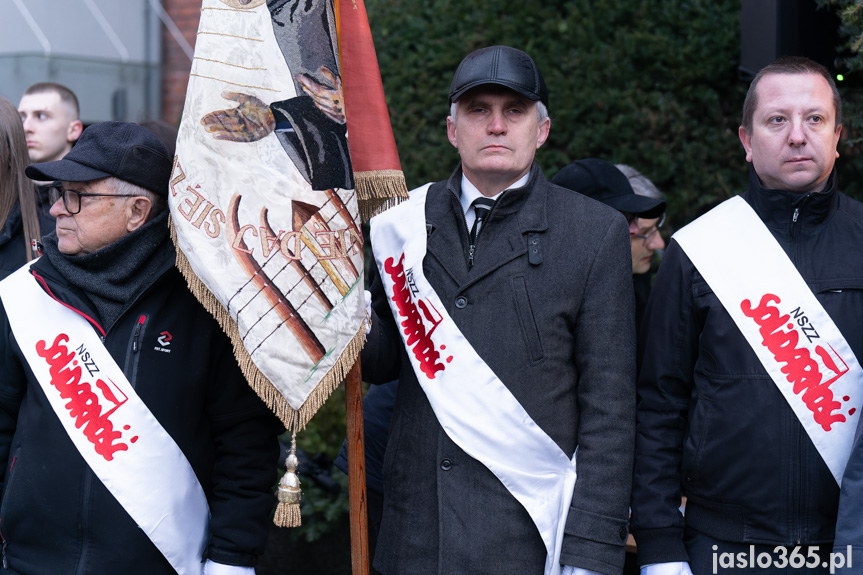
(131, 441)
(501, 303)
(603, 181)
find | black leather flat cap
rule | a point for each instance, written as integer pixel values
(499, 65)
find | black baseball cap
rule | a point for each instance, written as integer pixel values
(503, 66)
(124, 150)
(602, 181)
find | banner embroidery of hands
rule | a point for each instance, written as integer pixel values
(262, 194)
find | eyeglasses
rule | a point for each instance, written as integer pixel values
(72, 198)
(645, 237)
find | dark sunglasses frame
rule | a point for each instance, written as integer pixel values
(56, 192)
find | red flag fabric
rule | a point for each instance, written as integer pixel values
(377, 170)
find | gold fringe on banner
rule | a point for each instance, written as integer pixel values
(379, 190)
(293, 419)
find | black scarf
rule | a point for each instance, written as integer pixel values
(115, 275)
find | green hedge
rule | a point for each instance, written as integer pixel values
(650, 83)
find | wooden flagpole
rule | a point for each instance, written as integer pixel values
(357, 471)
(379, 183)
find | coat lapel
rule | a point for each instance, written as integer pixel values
(447, 236)
(504, 237)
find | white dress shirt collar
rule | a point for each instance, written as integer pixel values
(469, 193)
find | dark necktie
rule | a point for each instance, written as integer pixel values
(482, 207)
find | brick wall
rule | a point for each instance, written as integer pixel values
(175, 62)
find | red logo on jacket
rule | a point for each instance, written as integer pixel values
(810, 375)
(418, 340)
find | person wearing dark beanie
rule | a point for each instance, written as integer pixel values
(131, 441)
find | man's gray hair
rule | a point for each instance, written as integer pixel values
(639, 182)
(541, 111)
(122, 187)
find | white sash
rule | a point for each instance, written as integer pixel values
(792, 335)
(117, 436)
(477, 411)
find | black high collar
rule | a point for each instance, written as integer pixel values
(779, 209)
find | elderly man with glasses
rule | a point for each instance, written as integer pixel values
(645, 215)
(130, 440)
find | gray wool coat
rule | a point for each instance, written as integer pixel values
(548, 305)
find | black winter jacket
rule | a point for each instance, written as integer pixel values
(13, 249)
(711, 422)
(56, 517)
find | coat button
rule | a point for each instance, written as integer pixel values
(624, 532)
(461, 302)
(446, 464)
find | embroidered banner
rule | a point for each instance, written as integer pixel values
(793, 336)
(116, 434)
(264, 212)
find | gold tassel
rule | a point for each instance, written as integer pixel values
(288, 510)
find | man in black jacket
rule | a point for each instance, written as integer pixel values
(715, 416)
(132, 442)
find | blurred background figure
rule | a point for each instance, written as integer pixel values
(645, 213)
(49, 112)
(639, 182)
(643, 280)
(23, 217)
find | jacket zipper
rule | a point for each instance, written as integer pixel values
(3, 549)
(87, 488)
(130, 368)
(138, 332)
(796, 215)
